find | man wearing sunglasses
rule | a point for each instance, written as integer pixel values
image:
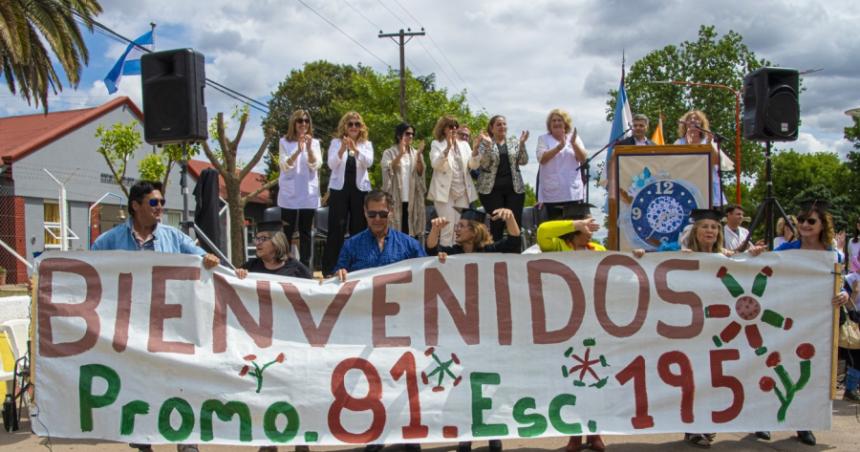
(144, 231)
(377, 245)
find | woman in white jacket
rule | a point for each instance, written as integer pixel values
(451, 186)
(298, 183)
(350, 154)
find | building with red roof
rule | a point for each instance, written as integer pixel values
(64, 144)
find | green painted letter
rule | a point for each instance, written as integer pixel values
(87, 400)
(480, 403)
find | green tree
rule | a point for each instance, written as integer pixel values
(25, 27)
(117, 146)
(156, 166)
(224, 159)
(710, 59)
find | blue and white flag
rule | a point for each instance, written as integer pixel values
(623, 121)
(129, 61)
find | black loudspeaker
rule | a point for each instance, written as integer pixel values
(173, 106)
(771, 109)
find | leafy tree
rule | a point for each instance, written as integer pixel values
(223, 158)
(117, 146)
(853, 134)
(25, 27)
(156, 166)
(710, 59)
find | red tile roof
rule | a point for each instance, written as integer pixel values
(22, 135)
(252, 182)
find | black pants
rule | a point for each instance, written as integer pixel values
(404, 217)
(301, 219)
(503, 197)
(345, 208)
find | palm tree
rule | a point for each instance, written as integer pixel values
(24, 60)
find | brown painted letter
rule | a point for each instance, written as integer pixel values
(382, 309)
(540, 334)
(503, 302)
(318, 336)
(600, 281)
(685, 298)
(159, 310)
(85, 310)
(465, 319)
(226, 296)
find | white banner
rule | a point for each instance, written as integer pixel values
(145, 347)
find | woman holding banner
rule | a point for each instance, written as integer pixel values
(815, 228)
(472, 236)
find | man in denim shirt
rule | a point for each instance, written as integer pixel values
(377, 245)
(144, 232)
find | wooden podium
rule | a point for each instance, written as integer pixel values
(652, 190)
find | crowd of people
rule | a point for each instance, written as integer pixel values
(387, 225)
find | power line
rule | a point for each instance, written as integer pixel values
(374, 25)
(433, 41)
(344, 33)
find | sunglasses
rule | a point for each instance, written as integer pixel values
(454, 126)
(808, 220)
(375, 213)
(353, 124)
(303, 121)
(261, 239)
(153, 202)
(464, 136)
(409, 134)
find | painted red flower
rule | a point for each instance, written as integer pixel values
(244, 371)
(773, 359)
(766, 384)
(806, 351)
(250, 357)
(280, 358)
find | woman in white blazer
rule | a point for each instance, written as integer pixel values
(350, 154)
(298, 183)
(451, 186)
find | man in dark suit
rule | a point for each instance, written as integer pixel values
(640, 130)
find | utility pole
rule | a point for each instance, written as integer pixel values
(402, 35)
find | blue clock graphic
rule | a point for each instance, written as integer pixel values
(659, 212)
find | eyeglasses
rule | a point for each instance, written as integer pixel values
(261, 239)
(153, 202)
(808, 220)
(353, 124)
(375, 213)
(303, 121)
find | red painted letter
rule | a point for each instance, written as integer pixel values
(86, 310)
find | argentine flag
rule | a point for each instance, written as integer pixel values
(129, 61)
(623, 120)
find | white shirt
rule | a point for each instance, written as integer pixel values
(732, 241)
(337, 164)
(560, 179)
(405, 175)
(298, 184)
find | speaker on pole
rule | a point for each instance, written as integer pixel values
(771, 110)
(173, 107)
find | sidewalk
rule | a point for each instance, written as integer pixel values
(845, 436)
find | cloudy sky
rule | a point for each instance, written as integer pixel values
(513, 57)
